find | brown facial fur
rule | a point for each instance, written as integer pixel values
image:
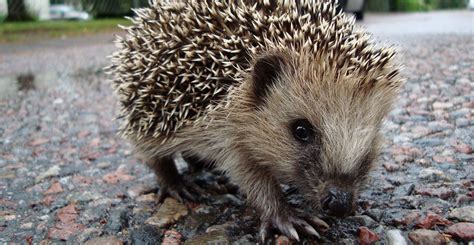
(345, 112)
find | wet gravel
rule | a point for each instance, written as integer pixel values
(67, 178)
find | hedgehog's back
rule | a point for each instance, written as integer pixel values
(180, 59)
(172, 67)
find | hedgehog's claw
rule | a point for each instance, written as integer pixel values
(180, 193)
(194, 188)
(264, 231)
(290, 225)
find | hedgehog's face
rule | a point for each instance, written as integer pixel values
(315, 131)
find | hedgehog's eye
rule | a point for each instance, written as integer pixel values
(302, 130)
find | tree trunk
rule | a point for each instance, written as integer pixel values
(17, 11)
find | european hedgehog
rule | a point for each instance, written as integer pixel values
(268, 91)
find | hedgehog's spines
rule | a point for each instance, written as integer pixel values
(202, 49)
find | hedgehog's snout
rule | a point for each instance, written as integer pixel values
(338, 202)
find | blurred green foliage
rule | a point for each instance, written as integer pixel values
(105, 8)
(119, 8)
(413, 5)
(24, 31)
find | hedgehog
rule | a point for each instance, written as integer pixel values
(270, 92)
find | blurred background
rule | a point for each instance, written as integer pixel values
(103, 13)
(29, 20)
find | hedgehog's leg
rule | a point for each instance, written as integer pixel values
(196, 163)
(170, 181)
(264, 193)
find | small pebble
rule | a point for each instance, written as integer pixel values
(465, 214)
(426, 237)
(395, 237)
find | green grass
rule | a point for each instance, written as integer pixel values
(34, 30)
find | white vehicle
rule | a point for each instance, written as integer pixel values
(471, 4)
(354, 6)
(67, 12)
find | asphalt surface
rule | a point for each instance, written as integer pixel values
(67, 178)
(404, 24)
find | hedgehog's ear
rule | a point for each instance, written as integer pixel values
(265, 72)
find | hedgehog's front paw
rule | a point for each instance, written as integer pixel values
(187, 190)
(290, 223)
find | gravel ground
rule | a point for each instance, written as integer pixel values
(67, 178)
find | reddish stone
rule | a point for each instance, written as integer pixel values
(91, 156)
(94, 143)
(366, 236)
(421, 131)
(117, 176)
(68, 151)
(469, 105)
(6, 203)
(195, 206)
(151, 197)
(463, 148)
(435, 209)
(426, 237)
(398, 150)
(67, 214)
(14, 166)
(443, 159)
(35, 188)
(107, 240)
(81, 180)
(83, 134)
(54, 189)
(431, 219)
(467, 183)
(140, 189)
(7, 156)
(419, 112)
(171, 237)
(48, 200)
(463, 231)
(29, 239)
(464, 199)
(39, 141)
(67, 225)
(410, 218)
(9, 113)
(405, 150)
(403, 158)
(441, 192)
(63, 231)
(391, 167)
(45, 242)
(112, 149)
(442, 105)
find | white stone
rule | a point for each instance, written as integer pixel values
(395, 237)
(26, 225)
(465, 214)
(441, 105)
(53, 171)
(431, 174)
(58, 101)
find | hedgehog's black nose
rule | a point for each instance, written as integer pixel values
(337, 202)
